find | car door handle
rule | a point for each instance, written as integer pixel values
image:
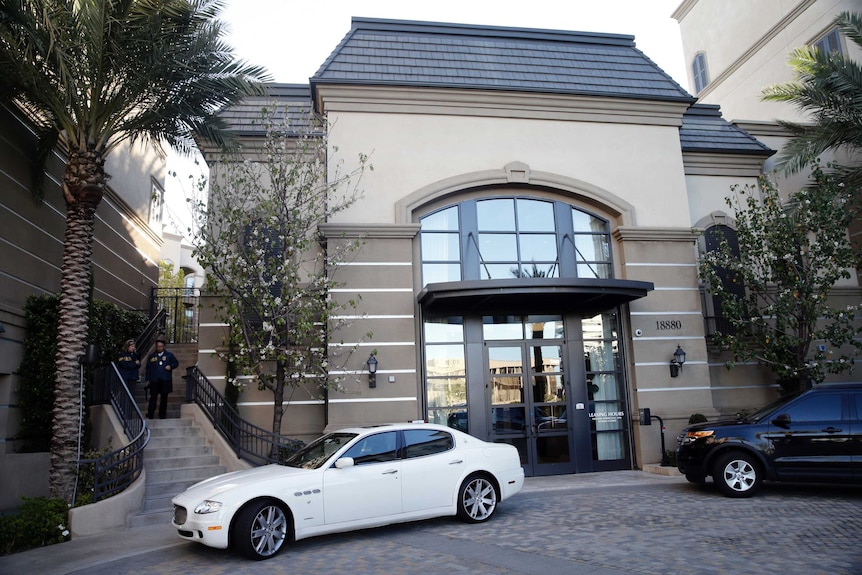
(390, 472)
(831, 429)
(456, 462)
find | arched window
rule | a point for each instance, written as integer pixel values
(513, 237)
(699, 72)
(715, 236)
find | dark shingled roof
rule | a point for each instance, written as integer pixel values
(246, 118)
(430, 54)
(704, 130)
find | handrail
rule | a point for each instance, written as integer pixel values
(115, 471)
(250, 442)
(153, 329)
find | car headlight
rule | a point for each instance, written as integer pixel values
(208, 506)
(692, 436)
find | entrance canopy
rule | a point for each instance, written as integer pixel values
(536, 295)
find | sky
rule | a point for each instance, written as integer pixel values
(292, 39)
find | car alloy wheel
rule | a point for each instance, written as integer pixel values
(737, 475)
(477, 499)
(261, 529)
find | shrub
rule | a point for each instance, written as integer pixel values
(697, 418)
(39, 521)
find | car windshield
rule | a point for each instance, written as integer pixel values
(318, 451)
(764, 411)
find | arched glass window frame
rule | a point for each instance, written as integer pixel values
(576, 248)
(699, 72)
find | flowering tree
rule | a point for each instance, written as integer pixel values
(258, 238)
(790, 257)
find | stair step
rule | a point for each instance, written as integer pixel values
(184, 461)
(155, 452)
(190, 473)
(153, 518)
(168, 489)
(176, 441)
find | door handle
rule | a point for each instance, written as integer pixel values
(390, 472)
(456, 462)
(831, 429)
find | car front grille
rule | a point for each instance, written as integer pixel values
(180, 514)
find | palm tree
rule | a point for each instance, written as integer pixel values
(829, 88)
(91, 74)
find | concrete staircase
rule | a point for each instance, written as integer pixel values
(176, 457)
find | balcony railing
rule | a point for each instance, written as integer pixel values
(181, 307)
(250, 442)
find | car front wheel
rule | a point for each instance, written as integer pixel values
(477, 499)
(737, 474)
(260, 530)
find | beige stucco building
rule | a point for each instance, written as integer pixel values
(530, 257)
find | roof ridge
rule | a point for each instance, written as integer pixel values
(481, 30)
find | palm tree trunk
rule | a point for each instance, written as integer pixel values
(83, 182)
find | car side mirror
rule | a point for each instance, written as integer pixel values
(343, 462)
(782, 420)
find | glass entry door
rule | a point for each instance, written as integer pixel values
(528, 403)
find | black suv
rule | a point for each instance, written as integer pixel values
(813, 436)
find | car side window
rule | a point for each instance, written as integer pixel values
(377, 448)
(822, 407)
(421, 442)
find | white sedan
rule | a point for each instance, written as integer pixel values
(351, 479)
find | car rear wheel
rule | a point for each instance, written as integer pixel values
(737, 474)
(477, 499)
(260, 530)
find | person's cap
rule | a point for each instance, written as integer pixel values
(129, 342)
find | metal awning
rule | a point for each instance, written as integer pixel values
(531, 295)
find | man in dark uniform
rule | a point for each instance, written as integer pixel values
(160, 366)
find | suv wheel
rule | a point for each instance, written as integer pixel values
(737, 474)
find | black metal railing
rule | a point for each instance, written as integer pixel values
(250, 442)
(182, 312)
(115, 471)
(153, 329)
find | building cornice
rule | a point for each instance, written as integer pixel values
(454, 102)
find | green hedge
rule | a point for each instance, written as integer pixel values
(110, 326)
(39, 521)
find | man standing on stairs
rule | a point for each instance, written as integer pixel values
(160, 366)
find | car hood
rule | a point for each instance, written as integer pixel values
(720, 424)
(245, 478)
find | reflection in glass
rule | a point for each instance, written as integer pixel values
(584, 222)
(535, 216)
(544, 327)
(508, 419)
(592, 247)
(538, 248)
(551, 417)
(444, 329)
(444, 247)
(444, 360)
(594, 271)
(608, 445)
(437, 273)
(455, 417)
(498, 247)
(502, 327)
(548, 388)
(444, 220)
(496, 215)
(506, 389)
(552, 449)
(446, 392)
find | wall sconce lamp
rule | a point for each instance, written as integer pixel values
(372, 370)
(677, 361)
